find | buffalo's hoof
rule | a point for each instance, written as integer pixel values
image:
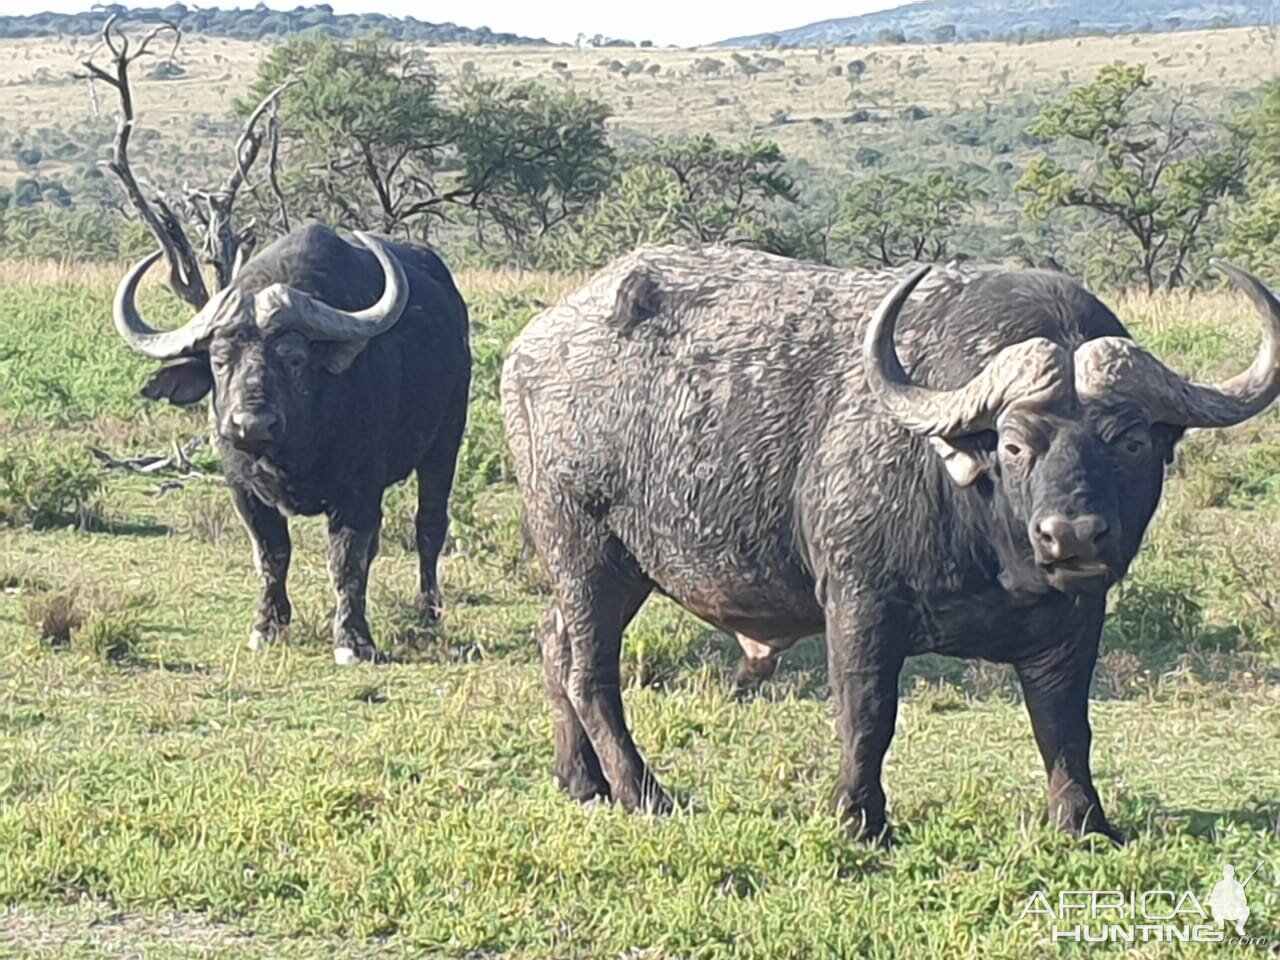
(578, 773)
(648, 798)
(1089, 825)
(1076, 809)
(267, 634)
(430, 608)
(582, 786)
(348, 656)
(866, 824)
(751, 675)
(874, 833)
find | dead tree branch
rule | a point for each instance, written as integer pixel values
(222, 245)
(184, 269)
(214, 208)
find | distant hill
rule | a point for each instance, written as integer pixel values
(944, 21)
(256, 23)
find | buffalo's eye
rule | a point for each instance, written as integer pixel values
(1133, 444)
(1014, 451)
(292, 356)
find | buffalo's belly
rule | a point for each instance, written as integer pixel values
(739, 579)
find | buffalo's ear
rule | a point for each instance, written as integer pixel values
(1166, 437)
(182, 382)
(963, 466)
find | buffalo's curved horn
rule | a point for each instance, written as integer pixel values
(158, 344)
(319, 321)
(1019, 372)
(1113, 365)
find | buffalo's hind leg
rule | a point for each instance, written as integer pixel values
(435, 482)
(577, 768)
(581, 640)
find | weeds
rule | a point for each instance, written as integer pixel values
(47, 482)
(112, 636)
(54, 616)
(207, 515)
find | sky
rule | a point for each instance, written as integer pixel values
(677, 22)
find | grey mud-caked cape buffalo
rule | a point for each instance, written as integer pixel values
(337, 369)
(960, 463)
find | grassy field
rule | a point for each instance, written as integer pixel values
(165, 793)
(800, 98)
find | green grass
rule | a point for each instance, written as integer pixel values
(165, 793)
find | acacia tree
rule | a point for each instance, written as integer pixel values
(535, 158)
(377, 139)
(691, 191)
(889, 220)
(1253, 233)
(366, 128)
(1152, 175)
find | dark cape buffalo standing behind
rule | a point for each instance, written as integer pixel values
(784, 448)
(336, 370)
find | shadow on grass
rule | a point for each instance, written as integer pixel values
(146, 663)
(1155, 634)
(128, 528)
(1204, 823)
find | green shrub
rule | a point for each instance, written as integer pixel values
(54, 616)
(47, 483)
(114, 636)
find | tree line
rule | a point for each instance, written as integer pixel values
(1128, 187)
(256, 23)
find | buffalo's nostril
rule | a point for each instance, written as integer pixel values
(1092, 528)
(1054, 534)
(1063, 538)
(1060, 538)
(252, 426)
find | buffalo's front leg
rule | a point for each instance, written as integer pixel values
(272, 550)
(351, 551)
(864, 644)
(1055, 684)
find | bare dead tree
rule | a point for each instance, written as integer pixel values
(222, 246)
(184, 269)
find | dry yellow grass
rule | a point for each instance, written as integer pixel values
(498, 281)
(1184, 312)
(38, 92)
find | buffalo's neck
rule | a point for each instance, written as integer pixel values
(978, 591)
(277, 482)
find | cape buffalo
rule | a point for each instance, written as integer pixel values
(784, 448)
(336, 369)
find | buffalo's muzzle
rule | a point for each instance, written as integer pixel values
(251, 428)
(1058, 538)
(1070, 548)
